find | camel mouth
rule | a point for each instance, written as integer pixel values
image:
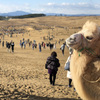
(74, 40)
(71, 42)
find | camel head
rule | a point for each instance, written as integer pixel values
(89, 34)
(88, 37)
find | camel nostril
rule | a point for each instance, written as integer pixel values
(75, 39)
(71, 39)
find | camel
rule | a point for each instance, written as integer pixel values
(85, 61)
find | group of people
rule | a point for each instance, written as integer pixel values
(52, 64)
(23, 43)
(10, 46)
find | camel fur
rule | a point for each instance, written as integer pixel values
(85, 61)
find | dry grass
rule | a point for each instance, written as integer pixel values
(22, 73)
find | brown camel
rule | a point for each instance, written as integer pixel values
(85, 61)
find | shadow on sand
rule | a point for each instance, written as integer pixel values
(33, 97)
(47, 98)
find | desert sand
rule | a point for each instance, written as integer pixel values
(22, 74)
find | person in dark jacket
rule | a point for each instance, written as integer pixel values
(12, 46)
(8, 46)
(52, 65)
(39, 47)
(2, 43)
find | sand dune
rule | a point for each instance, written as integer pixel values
(22, 73)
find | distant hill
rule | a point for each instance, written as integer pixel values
(22, 13)
(19, 14)
(57, 14)
(16, 13)
(28, 16)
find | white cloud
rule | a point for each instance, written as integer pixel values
(65, 8)
(82, 3)
(65, 4)
(41, 10)
(97, 6)
(50, 4)
(74, 8)
(11, 8)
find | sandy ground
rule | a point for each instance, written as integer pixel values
(22, 74)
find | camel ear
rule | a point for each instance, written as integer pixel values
(86, 24)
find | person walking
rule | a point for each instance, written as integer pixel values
(67, 67)
(52, 65)
(43, 45)
(33, 46)
(54, 46)
(24, 44)
(12, 46)
(62, 48)
(2, 43)
(21, 45)
(8, 46)
(39, 47)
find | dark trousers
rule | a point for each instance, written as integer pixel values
(70, 80)
(63, 52)
(52, 78)
(12, 48)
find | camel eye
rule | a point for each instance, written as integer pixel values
(89, 38)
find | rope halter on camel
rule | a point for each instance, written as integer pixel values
(89, 51)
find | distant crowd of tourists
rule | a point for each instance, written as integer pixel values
(23, 43)
(34, 45)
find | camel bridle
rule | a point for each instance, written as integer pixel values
(89, 51)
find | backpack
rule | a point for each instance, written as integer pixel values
(52, 66)
(67, 64)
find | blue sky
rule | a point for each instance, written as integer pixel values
(51, 6)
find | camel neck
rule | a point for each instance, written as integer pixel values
(89, 52)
